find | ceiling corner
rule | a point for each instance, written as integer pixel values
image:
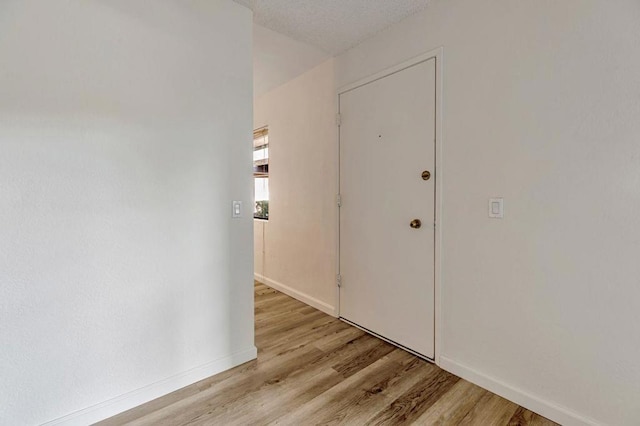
(247, 3)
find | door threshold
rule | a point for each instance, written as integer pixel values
(404, 348)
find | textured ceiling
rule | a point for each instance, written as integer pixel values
(332, 25)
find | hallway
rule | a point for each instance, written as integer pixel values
(314, 369)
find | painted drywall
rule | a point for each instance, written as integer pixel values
(541, 106)
(295, 248)
(278, 59)
(125, 133)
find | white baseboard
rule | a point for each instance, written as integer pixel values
(132, 399)
(304, 298)
(554, 412)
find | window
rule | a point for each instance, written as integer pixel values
(261, 173)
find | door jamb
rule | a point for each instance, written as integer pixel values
(438, 55)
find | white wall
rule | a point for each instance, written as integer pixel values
(297, 254)
(541, 106)
(278, 59)
(125, 133)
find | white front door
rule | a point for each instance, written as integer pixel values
(387, 142)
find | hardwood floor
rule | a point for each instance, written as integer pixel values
(314, 369)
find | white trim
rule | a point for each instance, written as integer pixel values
(304, 298)
(438, 55)
(531, 402)
(439, 175)
(132, 399)
(338, 208)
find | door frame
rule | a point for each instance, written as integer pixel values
(438, 55)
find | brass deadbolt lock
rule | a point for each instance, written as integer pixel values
(426, 175)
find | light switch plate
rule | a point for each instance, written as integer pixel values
(237, 209)
(496, 208)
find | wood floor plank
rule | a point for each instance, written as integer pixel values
(453, 406)
(274, 334)
(491, 410)
(294, 390)
(366, 406)
(308, 327)
(349, 391)
(294, 395)
(328, 339)
(315, 369)
(341, 337)
(305, 371)
(413, 403)
(356, 363)
(524, 417)
(227, 393)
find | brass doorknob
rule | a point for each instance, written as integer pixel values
(416, 223)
